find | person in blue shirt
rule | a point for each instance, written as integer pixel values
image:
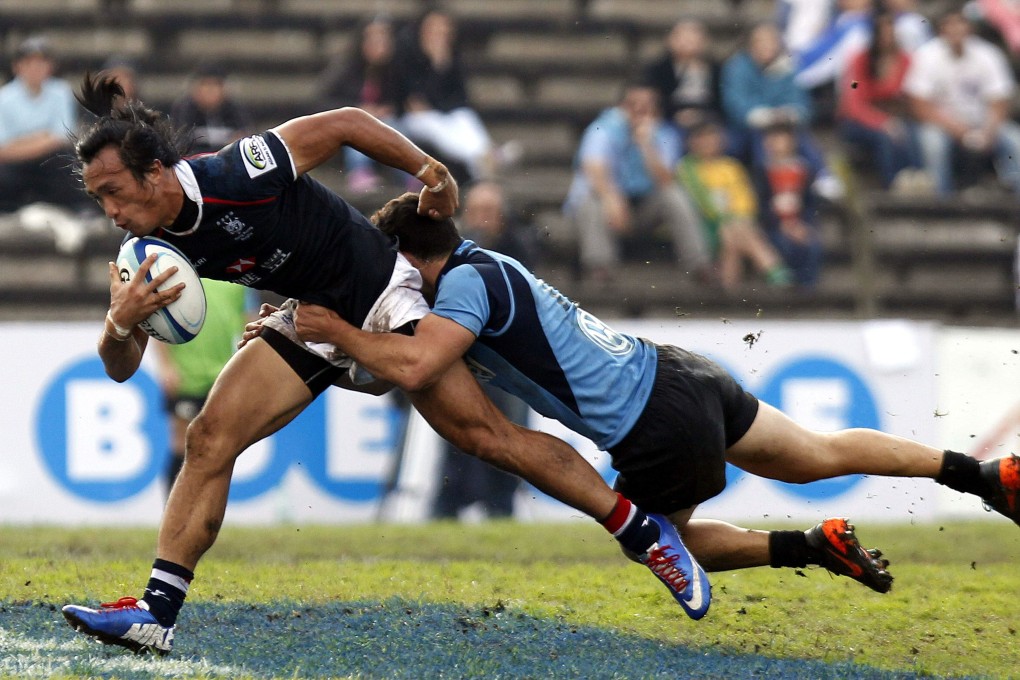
(251, 215)
(37, 111)
(623, 185)
(669, 418)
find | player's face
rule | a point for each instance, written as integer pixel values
(133, 205)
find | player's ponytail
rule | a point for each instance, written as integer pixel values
(142, 135)
(101, 95)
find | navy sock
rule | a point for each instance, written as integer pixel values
(791, 549)
(631, 526)
(166, 590)
(962, 473)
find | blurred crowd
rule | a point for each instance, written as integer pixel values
(716, 154)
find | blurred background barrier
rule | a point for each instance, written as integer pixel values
(81, 449)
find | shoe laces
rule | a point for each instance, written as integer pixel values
(122, 603)
(663, 565)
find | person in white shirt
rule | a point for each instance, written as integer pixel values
(960, 89)
(36, 112)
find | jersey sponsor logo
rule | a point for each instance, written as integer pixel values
(249, 279)
(258, 159)
(276, 260)
(602, 335)
(241, 265)
(481, 373)
(236, 227)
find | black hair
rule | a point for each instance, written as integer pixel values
(874, 48)
(140, 134)
(417, 235)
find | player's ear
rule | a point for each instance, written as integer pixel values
(155, 172)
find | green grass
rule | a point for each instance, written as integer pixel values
(952, 610)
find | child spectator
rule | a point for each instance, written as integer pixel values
(787, 205)
(725, 198)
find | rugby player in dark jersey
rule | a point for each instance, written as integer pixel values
(669, 418)
(250, 214)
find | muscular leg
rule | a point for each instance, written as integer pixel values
(256, 394)
(778, 448)
(720, 546)
(457, 408)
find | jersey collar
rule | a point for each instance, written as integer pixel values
(186, 176)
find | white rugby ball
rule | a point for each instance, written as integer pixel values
(182, 319)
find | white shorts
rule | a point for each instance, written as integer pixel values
(400, 303)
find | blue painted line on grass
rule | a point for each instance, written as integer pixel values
(391, 639)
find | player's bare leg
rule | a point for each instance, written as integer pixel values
(778, 448)
(256, 394)
(459, 411)
(721, 546)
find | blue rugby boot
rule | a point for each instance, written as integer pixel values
(126, 622)
(672, 564)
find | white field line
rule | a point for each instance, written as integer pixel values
(22, 656)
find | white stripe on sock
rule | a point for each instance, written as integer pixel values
(171, 579)
(626, 522)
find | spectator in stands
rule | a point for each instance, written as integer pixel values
(434, 106)
(623, 184)
(37, 111)
(961, 89)
(758, 91)
(465, 480)
(788, 208)
(722, 190)
(821, 62)
(216, 119)
(873, 111)
(686, 78)
(365, 77)
(187, 372)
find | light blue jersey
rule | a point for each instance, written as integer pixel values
(540, 346)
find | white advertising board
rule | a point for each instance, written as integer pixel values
(81, 449)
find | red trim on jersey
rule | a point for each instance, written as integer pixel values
(227, 201)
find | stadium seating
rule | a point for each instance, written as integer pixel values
(539, 70)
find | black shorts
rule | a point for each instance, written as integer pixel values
(185, 408)
(675, 455)
(316, 372)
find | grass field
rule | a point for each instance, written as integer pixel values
(512, 600)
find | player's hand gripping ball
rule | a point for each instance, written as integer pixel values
(182, 319)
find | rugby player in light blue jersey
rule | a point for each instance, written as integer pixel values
(669, 418)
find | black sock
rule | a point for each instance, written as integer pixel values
(167, 588)
(791, 549)
(631, 526)
(962, 473)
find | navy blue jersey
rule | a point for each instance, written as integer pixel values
(537, 344)
(260, 225)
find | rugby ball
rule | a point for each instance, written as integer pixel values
(182, 319)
